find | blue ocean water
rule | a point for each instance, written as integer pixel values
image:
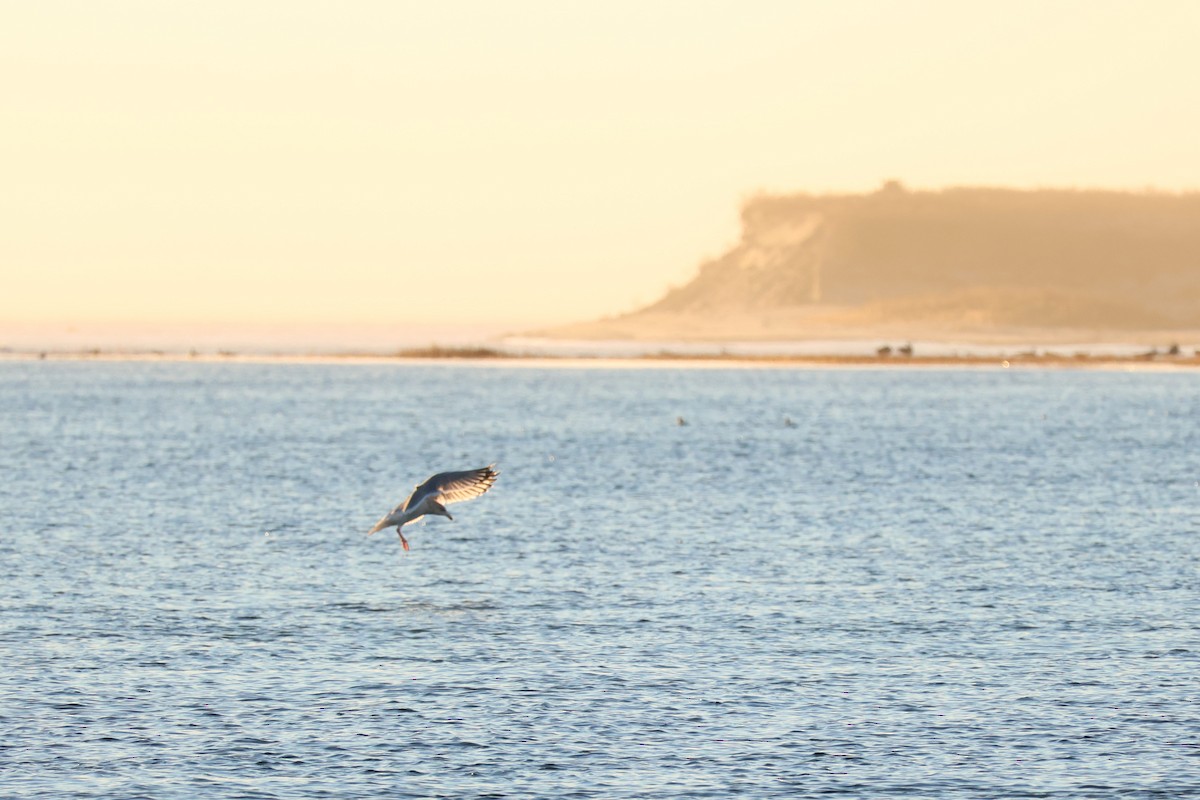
(931, 583)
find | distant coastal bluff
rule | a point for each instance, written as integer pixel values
(974, 263)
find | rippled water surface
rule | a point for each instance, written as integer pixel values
(931, 583)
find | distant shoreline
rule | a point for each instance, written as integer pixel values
(1151, 359)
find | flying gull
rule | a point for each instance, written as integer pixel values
(432, 497)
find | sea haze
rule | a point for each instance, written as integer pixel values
(933, 583)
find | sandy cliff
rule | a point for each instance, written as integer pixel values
(980, 263)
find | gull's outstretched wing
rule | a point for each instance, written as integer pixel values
(454, 487)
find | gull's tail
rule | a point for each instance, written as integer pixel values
(383, 523)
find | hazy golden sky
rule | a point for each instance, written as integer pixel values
(526, 161)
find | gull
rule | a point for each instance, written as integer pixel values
(432, 497)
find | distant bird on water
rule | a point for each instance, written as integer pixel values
(432, 497)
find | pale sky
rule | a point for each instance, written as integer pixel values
(526, 161)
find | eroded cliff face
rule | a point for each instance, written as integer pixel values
(958, 257)
(777, 264)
